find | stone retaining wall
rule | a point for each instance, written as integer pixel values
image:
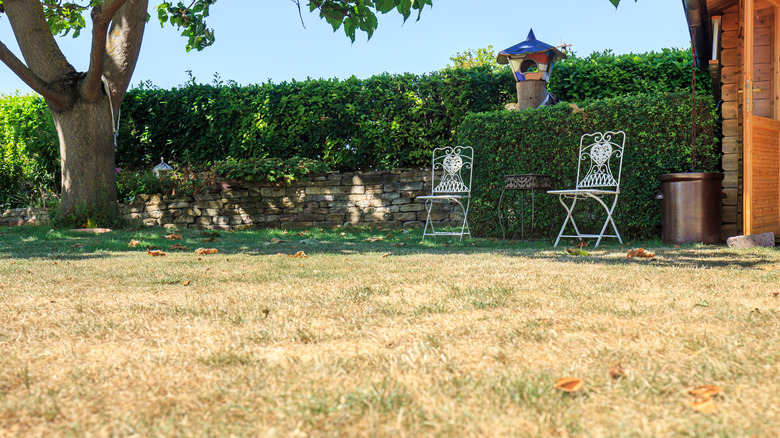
(324, 200)
(22, 216)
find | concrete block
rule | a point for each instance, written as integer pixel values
(752, 241)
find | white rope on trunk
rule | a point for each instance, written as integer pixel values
(114, 123)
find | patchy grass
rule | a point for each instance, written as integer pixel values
(366, 338)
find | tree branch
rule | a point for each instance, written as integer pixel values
(123, 47)
(43, 58)
(101, 18)
(28, 76)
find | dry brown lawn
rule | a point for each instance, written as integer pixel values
(369, 339)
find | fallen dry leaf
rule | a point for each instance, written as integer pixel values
(284, 232)
(569, 384)
(676, 246)
(775, 294)
(640, 252)
(276, 240)
(575, 108)
(400, 244)
(155, 253)
(385, 255)
(582, 243)
(133, 243)
(373, 239)
(206, 251)
(705, 406)
(185, 283)
(389, 236)
(210, 239)
(178, 246)
(299, 255)
(769, 268)
(301, 233)
(77, 245)
(705, 391)
(617, 371)
(174, 237)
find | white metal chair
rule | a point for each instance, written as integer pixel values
(451, 171)
(599, 167)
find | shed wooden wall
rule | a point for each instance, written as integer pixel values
(731, 74)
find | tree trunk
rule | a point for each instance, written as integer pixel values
(87, 161)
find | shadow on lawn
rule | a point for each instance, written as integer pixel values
(41, 242)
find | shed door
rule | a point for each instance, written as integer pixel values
(761, 110)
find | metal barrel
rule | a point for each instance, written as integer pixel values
(691, 207)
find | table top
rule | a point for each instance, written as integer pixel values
(527, 181)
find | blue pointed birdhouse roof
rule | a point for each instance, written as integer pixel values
(530, 46)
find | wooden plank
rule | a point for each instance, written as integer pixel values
(731, 179)
(731, 21)
(730, 110)
(731, 161)
(730, 92)
(762, 71)
(731, 196)
(731, 74)
(763, 107)
(730, 230)
(730, 57)
(762, 54)
(730, 214)
(731, 145)
(747, 123)
(732, 128)
(730, 39)
(763, 36)
(716, 6)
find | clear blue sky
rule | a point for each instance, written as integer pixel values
(261, 40)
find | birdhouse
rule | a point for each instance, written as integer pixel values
(532, 62)
(161, 169)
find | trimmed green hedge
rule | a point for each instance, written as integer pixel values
(383, 122)
(658, 132)
(606, 75)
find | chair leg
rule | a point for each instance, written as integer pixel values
(569, 218)
(464, 229)
(608, 220)
(428, 207)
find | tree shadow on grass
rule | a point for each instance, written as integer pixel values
(41, 242)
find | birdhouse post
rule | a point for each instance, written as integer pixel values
(532, 62)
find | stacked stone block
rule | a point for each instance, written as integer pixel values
(23, 216)
(386, 198)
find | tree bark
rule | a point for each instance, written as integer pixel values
(87, 161)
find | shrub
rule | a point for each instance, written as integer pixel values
(268, 169)
(29, 164)
(658, 132)
(606, 75)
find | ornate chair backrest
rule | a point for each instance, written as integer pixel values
(601, 160)
(451, 170)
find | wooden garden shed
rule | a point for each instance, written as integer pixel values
(739, 41)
